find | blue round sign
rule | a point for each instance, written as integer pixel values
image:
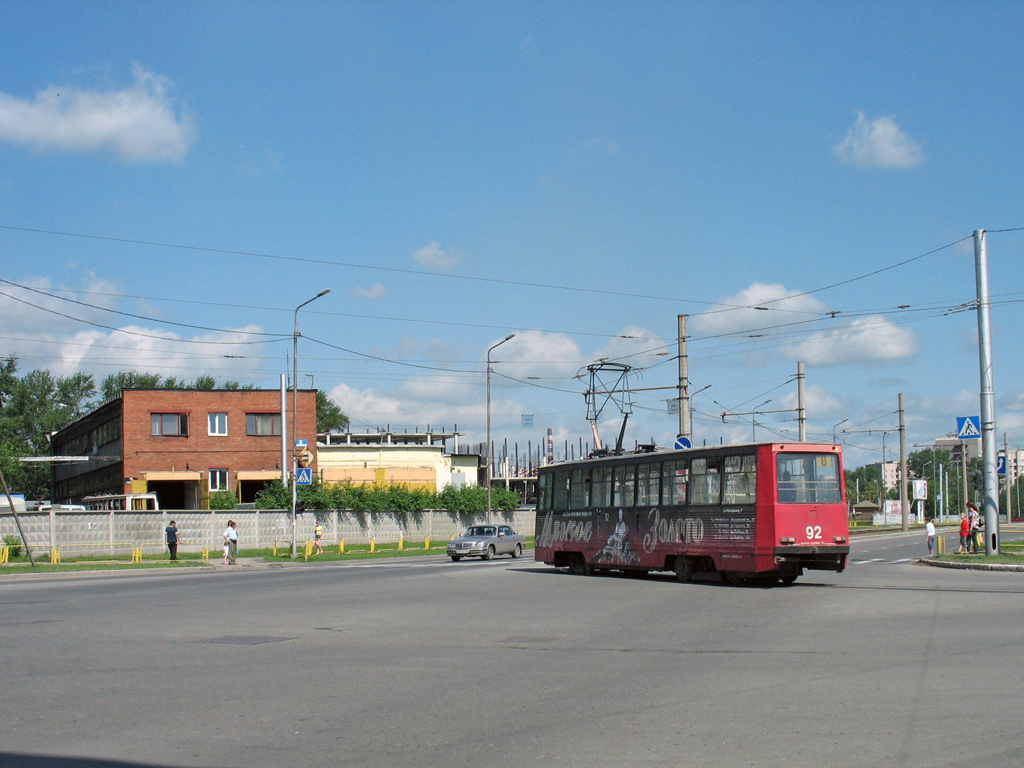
(683, 442)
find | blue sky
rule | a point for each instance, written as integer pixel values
(575, 173)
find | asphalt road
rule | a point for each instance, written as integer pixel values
(427, 662)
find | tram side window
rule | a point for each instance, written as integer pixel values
(647, 484)
(808, 478)
(579, 489)
(740, 485)
(544, 492)
(705, 481)
(675, 475)
(623, 489)
(601, 488)
(561, 490)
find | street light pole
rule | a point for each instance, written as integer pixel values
(834, 430)
(295, 415)
(487, 448)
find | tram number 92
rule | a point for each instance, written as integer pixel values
(813, 532)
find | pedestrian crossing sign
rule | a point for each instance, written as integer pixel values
(304, 476)
(968, 427)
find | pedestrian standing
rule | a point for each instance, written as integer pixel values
(318, 533)
(965, 532)
(231, 544)
(975, 520)
(172, 539)
(929, 529)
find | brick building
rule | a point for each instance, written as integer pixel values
(181, 444)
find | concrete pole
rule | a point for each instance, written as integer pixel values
(284, 431)
(801, 411)
(1009, 473)
(904, 480)
(988, 400)
(685, 426)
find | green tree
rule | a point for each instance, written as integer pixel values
(329, 416)
(112, 386)
(31, 408)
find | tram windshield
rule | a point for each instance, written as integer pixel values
(808, 478)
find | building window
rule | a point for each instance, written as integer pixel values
(218, 423)
(168, 424)
(263, 424)
(218, 480)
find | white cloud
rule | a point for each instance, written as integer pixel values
(817, 400)
(365, 404)
(637, 347)
(434, 257)
(783, 307)
(375, 291)
(867, 339)
(878, 143)
(138, 123)
(536, 354)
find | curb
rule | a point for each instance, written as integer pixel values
(972, 566)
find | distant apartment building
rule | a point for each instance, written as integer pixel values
(181, 444)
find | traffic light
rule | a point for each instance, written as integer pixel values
(300, 506)
(977, 480)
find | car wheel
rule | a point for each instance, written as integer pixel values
(517, 551)
(456, 558)
(489, 555)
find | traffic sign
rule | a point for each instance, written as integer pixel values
(300, 443)
(683, 442)
(305, 457)
(968, 427)
(304, 476)
(1001, 464)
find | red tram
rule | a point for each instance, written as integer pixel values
(770, 510)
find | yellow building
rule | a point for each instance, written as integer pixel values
(418, 459)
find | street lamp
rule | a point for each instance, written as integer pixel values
(834, 430)
(691, 398)
(295, 415)
(487, 448)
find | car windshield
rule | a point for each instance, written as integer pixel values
(481, 530)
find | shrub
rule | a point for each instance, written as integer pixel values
(14, 543)
(223, 500)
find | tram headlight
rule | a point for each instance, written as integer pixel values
(839, 539)
(787, 540)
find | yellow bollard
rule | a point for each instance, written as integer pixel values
(373, 545)
(426, 543)
(206, 555)
(940, 548)
(401, 544)
(341, 547)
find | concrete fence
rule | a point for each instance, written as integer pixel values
(257, 529)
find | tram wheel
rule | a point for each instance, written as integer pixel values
(684, 568)
(789, 575)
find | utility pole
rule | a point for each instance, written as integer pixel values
(1009, 473)
(904, 480)
(801, 411)
(990, 500)
(685, 427)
